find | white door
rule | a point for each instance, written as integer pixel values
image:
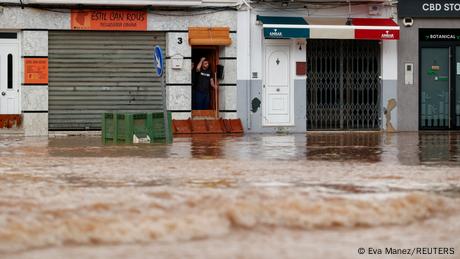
(277, 92)
(9, 78)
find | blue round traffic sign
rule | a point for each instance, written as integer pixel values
(158, 60)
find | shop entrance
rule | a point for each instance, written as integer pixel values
(205, 97)
(343, 85)
(439, 85)
(94, 72)
(277, 90)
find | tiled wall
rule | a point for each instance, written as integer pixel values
(34, 98)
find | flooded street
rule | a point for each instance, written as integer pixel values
(320, 195)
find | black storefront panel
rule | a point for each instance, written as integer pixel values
(429, 8)
(439, 78)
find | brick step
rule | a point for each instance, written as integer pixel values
(9, 121)
(213, 126)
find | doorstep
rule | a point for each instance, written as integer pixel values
(12, 132)
(92, 133)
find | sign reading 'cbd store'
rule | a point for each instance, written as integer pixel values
(429, 8)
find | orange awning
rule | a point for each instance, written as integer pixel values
(211, 36)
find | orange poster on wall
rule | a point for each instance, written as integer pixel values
(109, 20)
(36, 70)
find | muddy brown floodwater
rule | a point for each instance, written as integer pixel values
(254, 196)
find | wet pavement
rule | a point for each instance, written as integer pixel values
(369, 147)
(242, 196)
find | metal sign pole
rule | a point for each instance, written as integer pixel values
(165, 107)
(160, 70)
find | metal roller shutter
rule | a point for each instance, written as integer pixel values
(95, 72)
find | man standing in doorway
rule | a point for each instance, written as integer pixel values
(203, 84)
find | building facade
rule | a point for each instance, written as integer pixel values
(429, 65)
(64, 64)
(318, 66)
(285, 66)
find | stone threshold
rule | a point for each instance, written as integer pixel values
(52, 134)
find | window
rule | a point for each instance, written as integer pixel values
(10, 71)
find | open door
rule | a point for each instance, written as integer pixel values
(211, 53)
(206, 42)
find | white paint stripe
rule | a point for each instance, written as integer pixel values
(335, 27)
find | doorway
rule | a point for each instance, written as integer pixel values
(343, 85)
(435, 88)
(9, 76)
(211, 53)
(439, 77)
(439, 86)
(277, 90)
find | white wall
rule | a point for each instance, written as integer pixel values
(389, 81)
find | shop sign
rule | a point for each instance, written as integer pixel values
(376, 34)
(439, 35)
(429, 8)
(36, 70)
(109, 20)
(286, 33)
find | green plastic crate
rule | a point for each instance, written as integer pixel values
(117, 128)
(121, 127)
(158, 129)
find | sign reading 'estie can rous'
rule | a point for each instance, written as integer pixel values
(109, 20)
(429, 8)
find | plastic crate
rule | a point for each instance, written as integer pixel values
(121, 127)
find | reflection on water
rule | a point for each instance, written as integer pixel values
(366, 146)
(370, 147)
(439, 147)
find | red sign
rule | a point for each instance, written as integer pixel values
(301, 68)
(109, 20)
(377, 34)
(36, 70)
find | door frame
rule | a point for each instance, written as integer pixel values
(288, 43)
(19, 71)
(213, 65)
(451, 45)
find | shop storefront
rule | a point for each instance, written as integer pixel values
(102, 66)
(317, 73)
(429, 61)
(66, 64)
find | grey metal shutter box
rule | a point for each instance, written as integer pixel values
(92, 72)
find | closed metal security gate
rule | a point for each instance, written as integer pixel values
(343, 85)
(95, 72)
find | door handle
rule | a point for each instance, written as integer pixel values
(3, 93)
(277, 89)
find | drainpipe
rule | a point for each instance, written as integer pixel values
(248, 90)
